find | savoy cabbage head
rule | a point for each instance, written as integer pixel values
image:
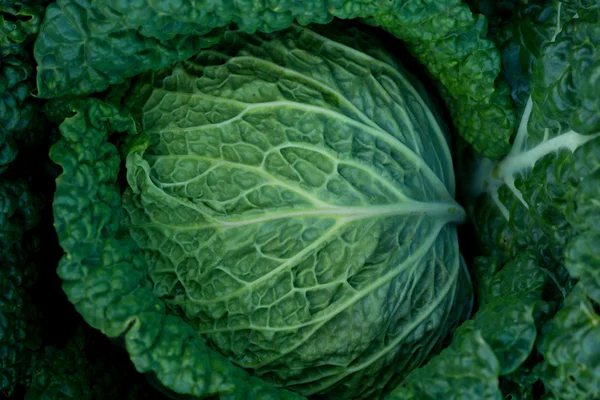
(292, 199)
(257, 200)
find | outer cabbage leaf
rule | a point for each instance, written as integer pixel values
(19, 22)
(447, 38)
(104, 274)
(570, 347)
(521, 40)
(33, 324)
(468, 369)
(581, 255)
(16, 113)
(294, 189)
(532, 194)
(494, 343)
(566, 95)
(152, 34)
(20, 202)
(85, 46)
(542, 197)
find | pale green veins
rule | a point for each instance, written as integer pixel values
(296, 208)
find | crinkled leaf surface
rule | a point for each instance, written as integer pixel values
(542, 197)
(466, 370)
(84, 46)
(19, 22)
(534, 195)
(295, 206)
(104, 274)
(495, 342)
(571, 369)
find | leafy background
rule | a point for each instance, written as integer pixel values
(553, 294)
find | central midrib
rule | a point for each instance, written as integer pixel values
(354, 213)
(450, 212)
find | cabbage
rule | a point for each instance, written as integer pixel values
(292, 198)
(256, 200)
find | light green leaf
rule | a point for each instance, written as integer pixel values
(294, 189)
(86, 46)
(104, 274)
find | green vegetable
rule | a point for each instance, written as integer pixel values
(84, 47)
(541, 199)
(19, 22)
(40, 358)
(258, 200)
(278, 213)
